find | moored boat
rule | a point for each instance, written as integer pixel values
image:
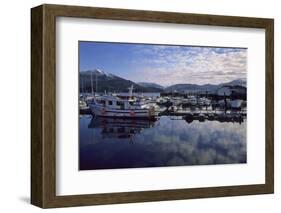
(113, 106)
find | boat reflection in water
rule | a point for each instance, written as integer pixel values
(120, 128)
(221, 117)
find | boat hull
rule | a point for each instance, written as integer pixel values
(116, 113)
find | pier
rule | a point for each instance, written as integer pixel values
(199, 115)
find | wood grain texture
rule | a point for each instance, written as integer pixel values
(43, 105)
(269, 107)
(36, 106)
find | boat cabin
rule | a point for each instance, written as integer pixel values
(115, 102)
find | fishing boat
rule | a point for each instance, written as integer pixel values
(176, 101)
(192, 100)
(161, 100)
(114, 106)
(236, 104)
(83, 106)
(206, 101)
(200, 102)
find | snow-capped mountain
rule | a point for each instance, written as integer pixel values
(99, 72)
(104, 81)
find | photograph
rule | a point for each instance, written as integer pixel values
(147, 105)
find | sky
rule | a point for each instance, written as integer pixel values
(165, 64)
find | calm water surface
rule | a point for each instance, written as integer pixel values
(112, 143)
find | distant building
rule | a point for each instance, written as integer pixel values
(232, 91)
(224, 91)
(239, 90)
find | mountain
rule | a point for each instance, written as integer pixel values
(237, 82)
(152, 85)
(191, 87)
(103, 81)
(205, 87)
(99, 72)
(112, 83)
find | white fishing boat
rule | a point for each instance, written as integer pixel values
(206, 101)
(161, 100)
(114, 106)
(176, 101)
(83, 105)
(192, 100)
(236, 104)
(200, 101)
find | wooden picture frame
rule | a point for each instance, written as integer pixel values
(43, 105)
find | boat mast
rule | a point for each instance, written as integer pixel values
(82, 85)
(96, 83)
(92, 83)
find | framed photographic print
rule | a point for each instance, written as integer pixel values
(136, 106)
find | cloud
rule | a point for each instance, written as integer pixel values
(176, 64)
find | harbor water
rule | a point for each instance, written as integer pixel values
(107, 143)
